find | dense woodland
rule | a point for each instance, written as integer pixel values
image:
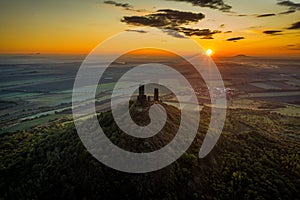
(257, 157)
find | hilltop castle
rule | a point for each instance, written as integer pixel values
(144, 100)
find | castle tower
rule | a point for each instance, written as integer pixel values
(142, 98)
(141, 90)
(155, 94)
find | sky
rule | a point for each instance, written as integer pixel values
(228, 27)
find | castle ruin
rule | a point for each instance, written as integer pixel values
(144, 100)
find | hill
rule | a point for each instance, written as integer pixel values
(241, 56)
(257, 157)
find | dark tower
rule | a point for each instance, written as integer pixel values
(155, 94)
(141, 90)
(142, 98)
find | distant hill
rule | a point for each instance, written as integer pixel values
(241, 56)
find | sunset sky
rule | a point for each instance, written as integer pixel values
(256, 27)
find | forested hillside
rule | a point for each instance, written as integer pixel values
(257, 157)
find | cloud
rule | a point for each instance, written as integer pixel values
(173, 33)
(272, 32)
(123, 5)
(227, 32)
(266, 15)
(291, 5)
(287, 12)
(293, 47)
(235, 39)
(233, 13)
(137, 31)
(295, 26)
(126, 6)
(255, 27)
(164, 18)
(202, 33)
(214, 4)
(172, 22)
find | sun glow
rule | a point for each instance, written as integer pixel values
(209, 52)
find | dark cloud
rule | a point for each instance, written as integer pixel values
(222, 25)
(272, 32)
(227, 32)
(126, 6)
(235, 39)
(266, 15)
(287, 12)
(295, 26)
(144, 21)
(202, 33)
(172, 22)
(123, 5)
(291, 5)
(137, 31)
(214, 4)
(293, 47)
(164, 18)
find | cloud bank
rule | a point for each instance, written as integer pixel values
(172, 22)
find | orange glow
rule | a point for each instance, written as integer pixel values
(149, 51)
(79, 29)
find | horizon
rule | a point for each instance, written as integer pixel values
(212, 56)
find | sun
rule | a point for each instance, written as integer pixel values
(209, 52)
